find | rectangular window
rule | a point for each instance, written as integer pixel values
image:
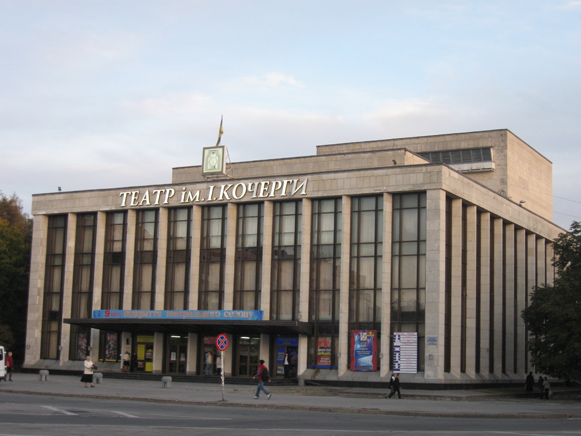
(114, 260)
(366, 263)
(286, 260)
(408, 287)
(145, 260)
(53, 287)
(248, 264)
(179, 254)
(325, 281)
(83, 270)
(212, 258)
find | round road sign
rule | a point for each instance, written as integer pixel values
(222, 342)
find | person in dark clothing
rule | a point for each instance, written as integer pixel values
(395, 388)
(541, 386)
(530, 382)
(133, 363)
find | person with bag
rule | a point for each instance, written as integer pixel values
(391, 387)
(88, 372)
(263, 376)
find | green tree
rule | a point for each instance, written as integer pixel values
(15, 243)
(553, 317)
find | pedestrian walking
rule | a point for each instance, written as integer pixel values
(541, 386)
(530, 382)
(396, 388)
(208, 365)
(286, 366)
(391, 388)
(9, 366)
(263, 376)
(547, 389)
(88, 372)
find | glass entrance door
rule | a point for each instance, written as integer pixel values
(176, 354)
(247, 355)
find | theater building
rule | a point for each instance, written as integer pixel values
(414, 255)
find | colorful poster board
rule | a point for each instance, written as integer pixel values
(363, 350)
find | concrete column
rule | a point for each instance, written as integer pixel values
(521, 294)
(386, 285)
(267, 259)
(510, 297)
(307, 221)
(471, 278)
(435, 283)
(36, 289)
(541, 277)
(531, 280)
(456, 291)
(344, 287)
(550, 254)
(230, 257)
(303, 354)
(485, 289)
(161, 267)
(192, 353)
(67, 295)
(157, 353)
(99, 260)
(498, 291)
(129, 259)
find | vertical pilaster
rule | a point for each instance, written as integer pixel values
(67, 297)
(161, 267)
(230, 257)
(196, 230)
(129, 259)
(307, 220)
(471, 278)
(550, 255)
(456, 291)
(485, 247)
(157, 353)
(541, 277)
(498, 291)
(36, 289)
(305, 262)
(192, 353)
(344, 287)
(267, 258)
(510, 297)
(435, 283)
(386, 284)
(521, 293)
(531, 280)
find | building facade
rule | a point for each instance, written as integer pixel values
(439, 238)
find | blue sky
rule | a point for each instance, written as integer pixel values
(104, 94)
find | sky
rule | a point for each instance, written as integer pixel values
(111, 94)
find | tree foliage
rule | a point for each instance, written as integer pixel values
(553, 317)
(15, 243)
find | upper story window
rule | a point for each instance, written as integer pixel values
(462, 156)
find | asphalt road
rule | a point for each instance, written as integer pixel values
(45, 415)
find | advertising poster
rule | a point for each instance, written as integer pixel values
(111, 346)
(324, 352)
(364, 350)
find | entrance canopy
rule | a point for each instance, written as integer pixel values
(207, 327)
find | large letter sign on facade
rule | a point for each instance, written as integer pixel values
(405, 352)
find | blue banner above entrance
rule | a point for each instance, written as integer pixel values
(230, 315)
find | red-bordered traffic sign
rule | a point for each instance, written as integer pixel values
(222, 342)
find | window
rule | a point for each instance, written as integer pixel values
(460, 156)
(53, 286)
(114, 260)
(145, 260)
(408, 287)
(248, 268)
(212, 258)
(178, 259)
(286, 260)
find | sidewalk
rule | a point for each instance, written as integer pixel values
(489, 403)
